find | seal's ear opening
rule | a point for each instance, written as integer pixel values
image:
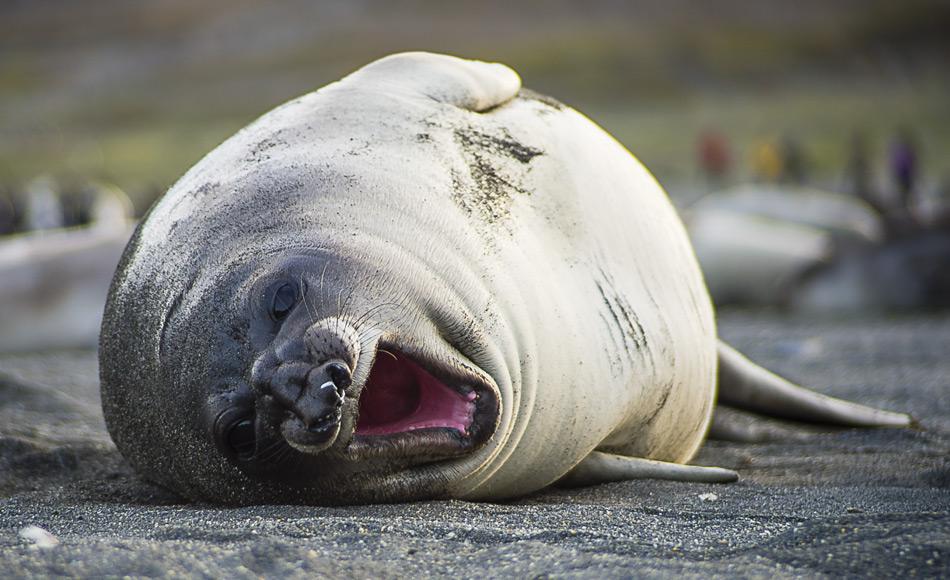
(401, 396)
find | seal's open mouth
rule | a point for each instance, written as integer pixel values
(421, 409)
(401, 396)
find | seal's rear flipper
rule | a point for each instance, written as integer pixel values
(730, 424)
(599, 467)
(468, 84)
(745, 385)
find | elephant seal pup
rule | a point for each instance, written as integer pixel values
(418, 282)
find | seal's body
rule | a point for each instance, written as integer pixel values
(416, 282)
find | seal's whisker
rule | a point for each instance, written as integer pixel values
(324, 293)
(298, 459)
(323, 274)
(306, 303)
(363, 317)
(285, 455)
(339, 302)
(343, 317)
(398, 305)
(389, 353)
(344, 311)
(261, 453)
(270, 451)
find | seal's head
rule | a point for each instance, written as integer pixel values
(290, 376)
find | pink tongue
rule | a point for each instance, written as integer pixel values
(402, 396)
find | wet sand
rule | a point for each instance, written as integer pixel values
(846, 502)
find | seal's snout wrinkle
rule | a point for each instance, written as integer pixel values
(418, 282)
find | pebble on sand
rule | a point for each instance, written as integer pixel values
(41, 538)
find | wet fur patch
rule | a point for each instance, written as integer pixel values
(621, 315)
(491, 189)
(551, 102)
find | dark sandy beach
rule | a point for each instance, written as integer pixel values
(841, 503)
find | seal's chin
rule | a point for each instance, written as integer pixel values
(420, 410)
(310, 440)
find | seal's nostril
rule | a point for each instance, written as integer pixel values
(339, 374)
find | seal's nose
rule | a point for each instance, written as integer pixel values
(321, 400)
(303, 400)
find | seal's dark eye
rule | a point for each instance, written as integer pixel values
(241, 438)
(285, 298)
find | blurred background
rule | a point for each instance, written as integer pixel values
(134, 93)
(106, 103)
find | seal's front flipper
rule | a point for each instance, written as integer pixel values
(599, 467)
(468, 84)
(745, 385)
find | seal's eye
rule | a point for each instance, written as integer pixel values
(241, 438)
(285, 298)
